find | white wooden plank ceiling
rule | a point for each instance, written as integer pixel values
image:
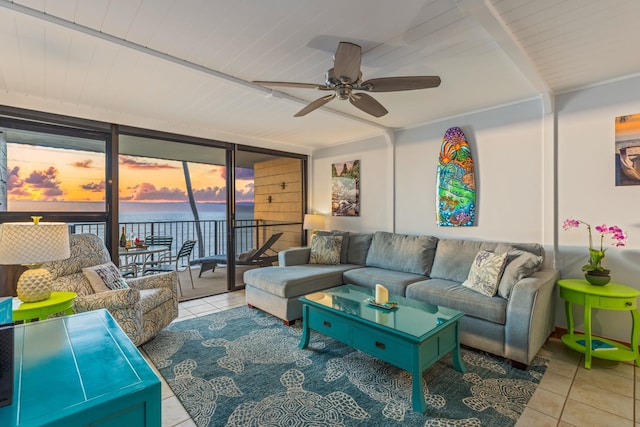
(184, 65)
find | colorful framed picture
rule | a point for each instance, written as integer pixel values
(345, 188)
(628, 150)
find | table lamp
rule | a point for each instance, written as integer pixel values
(313, 222)
(31, 244)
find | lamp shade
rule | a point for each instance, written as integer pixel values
(313, 221)
(29, 243)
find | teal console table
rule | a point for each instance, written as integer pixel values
(80, 370)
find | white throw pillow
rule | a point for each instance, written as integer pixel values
(105, 277)
(485, 273)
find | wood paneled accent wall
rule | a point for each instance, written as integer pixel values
(285, 204)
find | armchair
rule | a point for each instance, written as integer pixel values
(147, 306)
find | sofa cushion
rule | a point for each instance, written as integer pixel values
(485, 273)
(454, 257)
(358, 248)
(453, 295)
(395, 281)
(520, 264)
(325, 250)
(296, 280)
(104, 277)
(400, 252)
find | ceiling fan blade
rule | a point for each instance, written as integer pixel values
(315, 104)
(368, 104)
(347, 61)
(392, 84)
(290, 84)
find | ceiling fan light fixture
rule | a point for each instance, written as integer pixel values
(346, 76)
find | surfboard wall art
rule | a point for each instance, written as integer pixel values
(456, 191)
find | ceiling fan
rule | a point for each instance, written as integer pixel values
(345, 78)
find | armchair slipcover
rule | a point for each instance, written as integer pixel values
(149, 305)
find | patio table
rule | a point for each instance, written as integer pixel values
(139, 256)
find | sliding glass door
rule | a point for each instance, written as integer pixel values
(269, 207)
(175, 190)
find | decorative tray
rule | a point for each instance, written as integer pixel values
(129, 248)
(387, 305)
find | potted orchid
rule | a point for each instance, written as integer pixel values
(594, 266)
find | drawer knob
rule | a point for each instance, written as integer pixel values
(628, 303)
(380, 345)
(326, 323)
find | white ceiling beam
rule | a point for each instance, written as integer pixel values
(489, 18)
(161, 55)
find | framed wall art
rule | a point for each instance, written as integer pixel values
(345, 188)
(628, 150)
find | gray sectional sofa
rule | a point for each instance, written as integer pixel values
(513, 324)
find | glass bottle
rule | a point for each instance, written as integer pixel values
(123, 239)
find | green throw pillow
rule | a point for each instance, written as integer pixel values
(485, 273)
(325, 250)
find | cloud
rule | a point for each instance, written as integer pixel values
(241, 173)
(134, 163)
(42, 184)
(149, 192)
(95, 187)
(13, 179)
(84, 164)
(53, 192)
(43, 179)
(219, 194)
(245, 194)
(19, 192)
(209, 194)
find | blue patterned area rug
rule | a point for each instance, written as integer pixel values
(242, 367)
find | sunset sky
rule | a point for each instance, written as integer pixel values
(629, 128)
(49, 174)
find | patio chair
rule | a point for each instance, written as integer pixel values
(177, 263)
(159, 241)
(260, 257)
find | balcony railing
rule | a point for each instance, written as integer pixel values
(249, 233)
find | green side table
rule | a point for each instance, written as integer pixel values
(58, 302)
(610, 297)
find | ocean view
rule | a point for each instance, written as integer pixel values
(159, 212)
(143, 211)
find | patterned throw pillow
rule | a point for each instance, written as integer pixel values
(105, 277)
(486, 272)
(325, 250)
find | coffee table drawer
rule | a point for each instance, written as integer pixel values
(383, 346)
(328, 324)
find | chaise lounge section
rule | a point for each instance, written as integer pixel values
(514, 323)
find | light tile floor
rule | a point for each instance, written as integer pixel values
(568, 395)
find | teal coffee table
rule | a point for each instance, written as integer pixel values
(412, 336)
